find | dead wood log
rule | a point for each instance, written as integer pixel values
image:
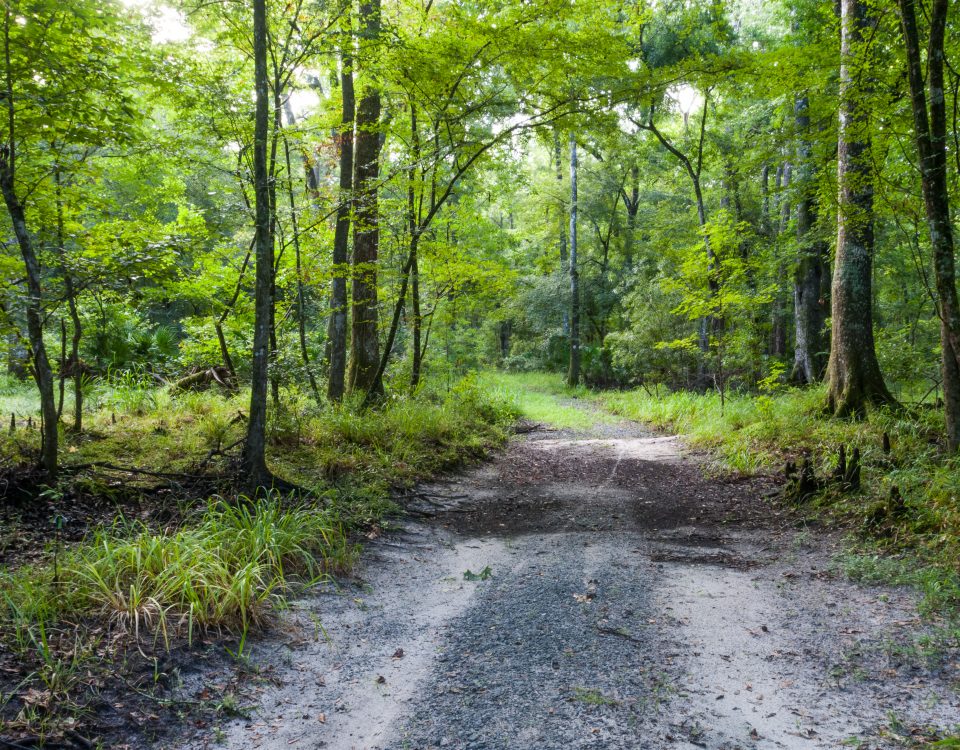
(204, 379)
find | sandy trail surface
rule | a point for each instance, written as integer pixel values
(595, 590)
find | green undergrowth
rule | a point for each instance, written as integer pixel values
(225, 569)
(223, 566)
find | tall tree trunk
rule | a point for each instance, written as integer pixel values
(42, 372)
(376, 391)
(562, 230)
(854, 372)
(809, 307)
(417, 365)
(931, 137)
(414, 220)
(301, 293)
(365, 344)
(71, 294)
(275, 228)
(573, 374)
(337, 332)
(258, 475)
(711, 323)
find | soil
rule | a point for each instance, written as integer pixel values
(592, 590)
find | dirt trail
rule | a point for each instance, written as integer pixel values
(630, 603)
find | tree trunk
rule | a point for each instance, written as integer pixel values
(337, 332)
(809, 307)
(562, 231)
(854, 372)
(71, 294)
(42, 372)
(275, 229)
(417, 321)
(365, 344)
(632, 203)
(377, 388)
(573, 374)
(931, 137)
(255, 450)
(301, 294)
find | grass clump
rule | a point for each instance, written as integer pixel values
(405, 439)
(226, 570)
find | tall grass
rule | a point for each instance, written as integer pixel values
(226, 570)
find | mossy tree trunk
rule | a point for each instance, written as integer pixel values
(854, 372)
(365, 342)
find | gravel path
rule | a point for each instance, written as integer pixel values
(594, 590)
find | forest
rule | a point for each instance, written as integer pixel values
(268, 265)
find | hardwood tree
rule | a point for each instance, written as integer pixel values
(255, 461)
(573, 372)
(930, 132)
(337, 332)
(854, 373)
(811, 270)
(57, 93)
(365, 340)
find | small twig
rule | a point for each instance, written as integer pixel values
(607, 630)
(220, 452)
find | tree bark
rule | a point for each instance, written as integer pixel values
(258, 475)
(337, 331)
(809, 307)
(417, 365)
(931, 138)
(854, 372)
(573, 374)
(562, 230)
(365, 344)
(71, 294)
(42, 372)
